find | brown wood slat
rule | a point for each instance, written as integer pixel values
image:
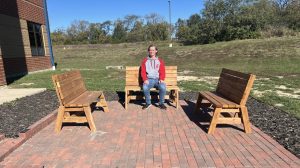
(239, 89)
(132, 68)
(229, 120)
(129, 83)
(85, 99)
(171, 71)
(225, 103)
(72, 96)
(235, 73)
(171, 68)
(211, 99)
(231, 95)
(133, 73)
(67, 83)
(218, 98)
(132, 76)
(231, 87)
(75, 88)
(233, 98)
(76, 119)
(72, 87)
(234, 79)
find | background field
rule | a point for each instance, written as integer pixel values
(275, 61)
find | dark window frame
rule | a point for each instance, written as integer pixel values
(36, 39)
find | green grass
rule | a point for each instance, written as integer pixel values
(277, 59)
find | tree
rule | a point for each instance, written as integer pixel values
(130, 21)
(137, 33)
(78, 32)
(119, 33)
(58, 36)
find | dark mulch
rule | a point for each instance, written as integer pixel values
(16, 116)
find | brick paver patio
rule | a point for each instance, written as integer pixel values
(151, 138)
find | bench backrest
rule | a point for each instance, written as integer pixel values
(68, 86)
(133, 76)
(235, 86)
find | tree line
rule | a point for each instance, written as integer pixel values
(220, 20)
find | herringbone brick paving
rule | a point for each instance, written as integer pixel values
(150, 138)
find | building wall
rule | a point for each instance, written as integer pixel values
(16, 57)
(31, 10)
(2, 73)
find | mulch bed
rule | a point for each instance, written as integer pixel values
(17, 116)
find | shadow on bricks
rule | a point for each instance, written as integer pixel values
(202, 118)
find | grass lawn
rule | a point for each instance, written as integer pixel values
(275, 61)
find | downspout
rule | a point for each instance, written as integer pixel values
(48, 33)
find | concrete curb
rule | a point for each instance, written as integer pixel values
(8, 145)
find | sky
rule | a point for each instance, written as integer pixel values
(63, 12)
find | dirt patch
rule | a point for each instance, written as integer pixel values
(289, 95)
(185, 72)
(296, 91)
(263, 79)
(260, 93)
(281, 87)
(187, 78)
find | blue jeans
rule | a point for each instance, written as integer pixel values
(154, 83)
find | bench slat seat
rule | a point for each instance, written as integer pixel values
(134, 82)
(230, 97)
(218, 101)
(85, 99)
(74, 98)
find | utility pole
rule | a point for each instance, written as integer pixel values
(170, 45)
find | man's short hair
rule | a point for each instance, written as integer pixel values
(152, 45)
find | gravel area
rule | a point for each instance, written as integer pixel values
(17, 116)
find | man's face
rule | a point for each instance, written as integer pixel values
(152, 51)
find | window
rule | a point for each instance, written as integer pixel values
(36, 39)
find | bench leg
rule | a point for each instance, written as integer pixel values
(214, 120)
(177, 98)
(245, 119)
(128, 96)
(172, 96)
(89, 118)
(198, 103)
(59, 119)
(103, 103)
(125, 102)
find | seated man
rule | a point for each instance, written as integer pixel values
(153, 75)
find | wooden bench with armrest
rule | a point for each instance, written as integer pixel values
(75, 99)
(134, 82)
(230, 97)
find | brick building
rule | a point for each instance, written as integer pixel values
(23, 38)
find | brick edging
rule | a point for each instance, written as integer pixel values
(8, 145)
(2, 136)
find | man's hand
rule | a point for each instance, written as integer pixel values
(161, 81)
(146, 82)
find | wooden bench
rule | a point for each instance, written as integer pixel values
(229, 100)
(75, 100)
(134, 82)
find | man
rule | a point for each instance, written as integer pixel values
(153, 74)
